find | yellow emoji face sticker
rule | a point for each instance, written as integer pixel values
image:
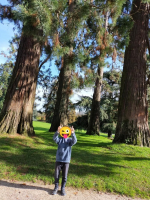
(65, 132)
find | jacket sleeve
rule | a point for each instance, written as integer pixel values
(73, 140)
(56, 138)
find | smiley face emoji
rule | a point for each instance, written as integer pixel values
(65, 132)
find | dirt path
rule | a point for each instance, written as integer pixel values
(29, 191)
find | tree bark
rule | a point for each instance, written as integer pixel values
(61, 106)
(63, 93)
(94, 123)
(56, 117)
(16, 115)
(132, 125)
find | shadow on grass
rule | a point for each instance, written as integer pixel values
(41, 161)
(82, 143)
(136, 158)
(38, 163)
(47, 136)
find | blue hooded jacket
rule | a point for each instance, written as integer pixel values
(64, 147)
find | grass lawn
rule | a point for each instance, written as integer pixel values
(96, 162)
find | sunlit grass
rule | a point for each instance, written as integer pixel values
(96, 162)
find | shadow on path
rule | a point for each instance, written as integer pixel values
(26, 186)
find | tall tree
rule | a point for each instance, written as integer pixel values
(76, 14)
(50, 99)
(16, 115)
(61, 107)
(94, 122)
(109, 101)
(132, 125)
(104, 42)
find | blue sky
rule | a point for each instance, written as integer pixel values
(6, 33)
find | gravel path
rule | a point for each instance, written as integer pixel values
(29, 191)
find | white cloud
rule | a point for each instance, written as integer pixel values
(40, 103)
(77, 94)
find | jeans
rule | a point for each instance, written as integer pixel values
(58, 167)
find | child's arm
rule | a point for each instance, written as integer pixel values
(55, 137)
(73, 141)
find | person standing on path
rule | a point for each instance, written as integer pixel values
(63, 155)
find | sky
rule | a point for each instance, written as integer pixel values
(6, 33)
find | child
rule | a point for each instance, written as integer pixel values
(63, 157)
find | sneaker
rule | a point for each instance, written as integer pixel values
(63, 193)
(55, 191)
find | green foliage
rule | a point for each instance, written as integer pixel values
(109, 127)
(35, 113)
(40, 116)
(145, 1)
(84, 104)
(109, 100)
(7, 67)
(108, 103)
(36, 14)
(81, 122)
(123, 26)
(5, 73)
(50, 99)
(116, 8)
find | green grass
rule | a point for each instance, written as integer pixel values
(96, 163)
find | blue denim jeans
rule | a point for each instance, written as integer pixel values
(64, 167)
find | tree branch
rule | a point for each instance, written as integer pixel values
(6, 12)
(48, 57)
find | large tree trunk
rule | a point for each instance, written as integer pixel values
(94, 123)
(66, 91)
(63, 93)
(16, 115)
(56, 117)
(26, 126)
(132, 125)
(61, 106)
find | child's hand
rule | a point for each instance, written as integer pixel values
(72, 130)
(59, 128)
